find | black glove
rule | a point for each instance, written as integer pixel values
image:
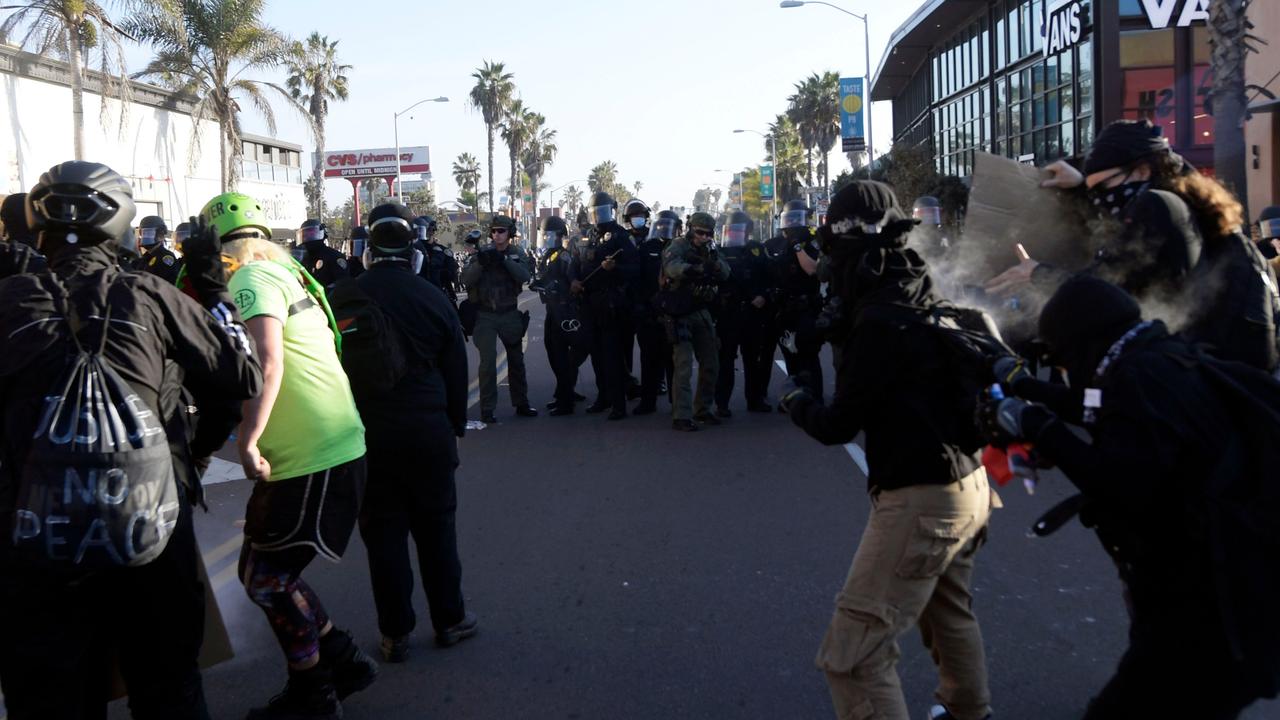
(202, 253)
(1010, 371)
(489, 258)
(1002, 421)
(794, 390)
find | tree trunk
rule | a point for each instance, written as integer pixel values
(1227, 30)
(490, 127)
(317, 172)
(222, 154)
(514, 189)
(75, 60)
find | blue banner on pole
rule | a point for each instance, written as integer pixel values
(851, 124)
(766, 182)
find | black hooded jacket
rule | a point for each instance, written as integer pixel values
(159, 341)
(895, 380)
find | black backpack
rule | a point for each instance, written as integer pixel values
(97, 488)
(1237, 290)
(373, 354)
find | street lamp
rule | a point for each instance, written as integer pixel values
(773, 159)
(396, 122)
(867, 78)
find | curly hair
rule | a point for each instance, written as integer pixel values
(1217, 210)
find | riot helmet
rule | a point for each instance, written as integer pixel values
(636, 214)
(181, 233)
(737, 230)
(666, 226)
(313, 230)
(603, 209)
(359, 240)
(795, 214)
(79, 202)
(927, 210)
(151, 231)
(391, 230)
(424, 226)
(554, 230)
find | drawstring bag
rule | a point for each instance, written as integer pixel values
(97, 490)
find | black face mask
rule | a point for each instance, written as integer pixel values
(1110, 202)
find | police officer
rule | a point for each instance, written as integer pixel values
(438, 264)
(655, 352)
(741, 323)
(325, 264)
(635, 215)
(157, 258)
(794, 254)
(494, 276)
(609, 264)
(563, 334)
(693, 270)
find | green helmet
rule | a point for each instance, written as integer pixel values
(230, 213)
(702, 221)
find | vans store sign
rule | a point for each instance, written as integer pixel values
(1064, 25)
(1162, 13)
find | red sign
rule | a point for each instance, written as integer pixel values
(378, 162)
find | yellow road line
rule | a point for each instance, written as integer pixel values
(216, 555)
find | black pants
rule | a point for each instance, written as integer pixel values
(562, 358)
(655, 358)
(742, 331)
(607, 339)
(412, 494)
(58, 640)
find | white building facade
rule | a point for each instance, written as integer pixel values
(153, 140)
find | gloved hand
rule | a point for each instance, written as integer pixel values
(1003, 421)
(1010, 370)
(490, 258)
(202, 253)
(795, 389)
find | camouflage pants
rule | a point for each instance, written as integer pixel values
(694, 336)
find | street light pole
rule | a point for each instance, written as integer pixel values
(396, 122)
(773, 160)
(866, 34)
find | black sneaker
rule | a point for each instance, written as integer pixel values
(395, 649)
(579, 397)
(562, 410)
(723, 412)
(455, 634)
(309, 695)
(526, 411)
(645, 408)
(684, 426)
(488, 419)
(939, 712)
(351, 669)
(707, 418)
(597, 407)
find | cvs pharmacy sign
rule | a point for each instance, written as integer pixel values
(1161, 12)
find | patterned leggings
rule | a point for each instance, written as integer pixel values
(272, 581)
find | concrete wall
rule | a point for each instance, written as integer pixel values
(1264, 129)
(148, 143)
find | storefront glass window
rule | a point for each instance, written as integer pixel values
(1203, 83)
(1147, 75)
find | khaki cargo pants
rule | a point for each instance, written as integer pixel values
(700, 342)
(913, 566)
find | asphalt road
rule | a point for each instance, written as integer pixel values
(623, 570)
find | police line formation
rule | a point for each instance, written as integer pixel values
(121, 376)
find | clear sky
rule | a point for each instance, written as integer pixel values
(656, 86)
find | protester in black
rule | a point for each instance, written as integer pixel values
(411, 438)
(61, 631)
(1169, 424)
(17, 251)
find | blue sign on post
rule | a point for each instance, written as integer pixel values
(766, 182)
(851, 102)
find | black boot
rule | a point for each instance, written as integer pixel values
(309, 695)
(352, 669)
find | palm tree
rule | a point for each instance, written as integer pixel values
(203, 49)
(1231, 41)
(637, 186)
(540, 151)
(315, 78)
(466, 172)
(515, 133)
(573, 200)
(490, 95)
(803, 109)
(603, 176)
(68, 29)
(826, 116)
(789, 163)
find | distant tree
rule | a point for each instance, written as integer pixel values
(909, 169)
(539, 153)
(422, 201)
(70, 29)
(573, 200)
(953, 196)
(316, 78)
(491, 95)
(515, 133)
(466, 172)
(789, 165)
(603, 176)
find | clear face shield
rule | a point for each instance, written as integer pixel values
(735, 235)
(1269, 229)
(928, 215)
(601, 214)
(147, 238)
(310, 234)
(663, 229)
(794, 219)
(555, 238)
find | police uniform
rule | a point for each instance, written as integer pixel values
(439, 267)
(606, 312)
(563, 331)
(799, 302)
(742, 327)
(161, 262)
(655, 351)
(325, 264)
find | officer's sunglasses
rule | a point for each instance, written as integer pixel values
(497, 231)
(702, 233)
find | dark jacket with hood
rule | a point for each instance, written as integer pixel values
(159, 341)
(896, 381)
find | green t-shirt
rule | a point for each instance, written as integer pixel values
(314, 423)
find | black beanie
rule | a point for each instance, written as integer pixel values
(391, 229)
(13, 215)
(1123, 143)
(1085, 311)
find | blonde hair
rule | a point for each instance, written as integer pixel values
(246, 250)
